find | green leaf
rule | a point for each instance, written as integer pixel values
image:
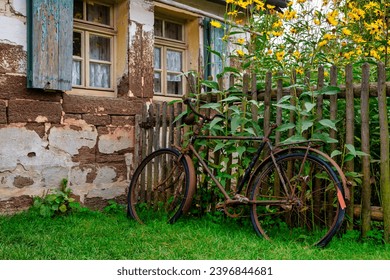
(309, 106)
(231, 98)
(287, 106)
(306, 125)
(214, 106)
(241, 150)
(250, 131)
(63, 208)
(231, 69)
(211, 84)
(329, 90)
(351, 149)
(294, 138)
(285, 127)
(235, 123)
(335, 153)
(180, 116)
(328, 123)
(220, 145)
(215, 121)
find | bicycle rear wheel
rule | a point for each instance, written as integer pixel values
(308, 209)
(161, 187)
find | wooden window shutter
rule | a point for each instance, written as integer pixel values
(50, 43)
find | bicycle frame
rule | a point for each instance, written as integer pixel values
(240, 199)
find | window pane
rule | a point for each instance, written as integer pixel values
(99, 48)
(78, 9)
(174, 61)
(158, 27)
(99, 75)
(157, 58)
(77, 44)
(76, 73)
(173, 31)
(98, 14)
(157, 82)
(174, 84)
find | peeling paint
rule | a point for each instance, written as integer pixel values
(117, 140)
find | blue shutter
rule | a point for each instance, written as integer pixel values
(50, 43)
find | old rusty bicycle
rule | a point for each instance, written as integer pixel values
(296, 190)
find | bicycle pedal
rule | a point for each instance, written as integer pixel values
(220, 206)
(241, 198)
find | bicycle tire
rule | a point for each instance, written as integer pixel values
(161, 187)
(311, 214)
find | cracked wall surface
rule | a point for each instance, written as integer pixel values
(48, 136)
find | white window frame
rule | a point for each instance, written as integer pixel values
(87, 28)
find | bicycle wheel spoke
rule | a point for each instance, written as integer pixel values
(163, 176)
(311, 211)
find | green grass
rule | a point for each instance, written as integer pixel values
(102, 236)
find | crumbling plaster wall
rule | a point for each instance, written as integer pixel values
(45, 137)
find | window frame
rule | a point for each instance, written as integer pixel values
(166, 44)
(88, 28)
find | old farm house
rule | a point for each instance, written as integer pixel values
(73, 75)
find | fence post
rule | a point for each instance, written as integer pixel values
(267, 102)
(384, 159)
(349, 130)
(365, 138)
(279, 95)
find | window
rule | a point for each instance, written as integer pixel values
(169, 57)
(93, 48)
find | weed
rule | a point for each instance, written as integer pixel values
(56, 202)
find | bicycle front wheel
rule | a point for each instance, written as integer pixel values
(305, 207)
(160, 187)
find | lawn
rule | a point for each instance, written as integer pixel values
(112, 236)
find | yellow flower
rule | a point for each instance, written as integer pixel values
(277, 33)
(374, 54)
(269, 52)
(297, 54)
(322, 43)
(215, 24)
(260, 6)
(232, 13)
(346, 31)
(240, 52)
(371, 5)
(280, 55)
(300, 70)
(301, 1)
(326, 74)
(348, 55)
(288, 15)
(277, 24)
(331, 17)
(270, 7)
(328, 36)
(240, 41)
(317, 22)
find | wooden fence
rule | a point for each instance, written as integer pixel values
(155, 129)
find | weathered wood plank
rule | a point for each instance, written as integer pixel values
(50, 33)
(384, 150)
(365, 140)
